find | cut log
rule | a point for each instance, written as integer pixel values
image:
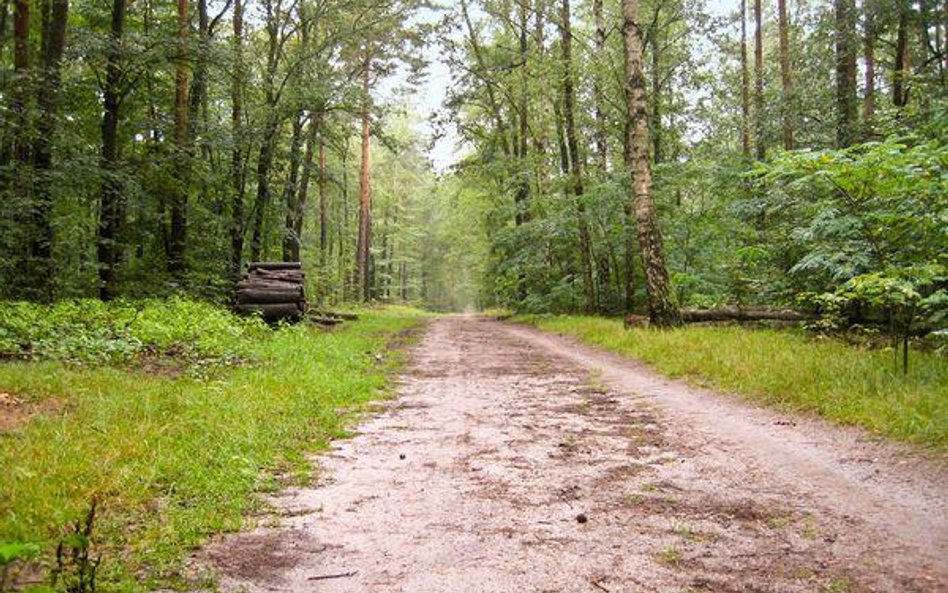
(274, 265)
(269, 295)
(273, 311)
(268, 284)
(735, 314)
(288, 275)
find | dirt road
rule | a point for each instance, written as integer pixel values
(514, 461)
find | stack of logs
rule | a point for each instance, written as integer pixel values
(272, 289)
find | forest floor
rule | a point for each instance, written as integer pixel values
(513, 460)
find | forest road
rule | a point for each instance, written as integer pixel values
(516, 461)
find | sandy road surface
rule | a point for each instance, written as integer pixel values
(515, 461)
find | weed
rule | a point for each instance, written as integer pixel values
(670, 556)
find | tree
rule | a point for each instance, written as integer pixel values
(662, 310)
(786, 78)
(845, 72)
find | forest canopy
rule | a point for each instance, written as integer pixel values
(642, 155)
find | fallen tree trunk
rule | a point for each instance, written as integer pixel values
(736, 314)
(327, 321)
(336, 315)
(259, 294)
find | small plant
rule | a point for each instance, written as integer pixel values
(75, 566)
(670, 556)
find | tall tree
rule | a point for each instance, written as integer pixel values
(177, 241)
(575, 183)
(759, 140)
(900, 69)
(363, 263)
(745, 86)
(238, 167)
(53, 42)
(786, 78)
(845, 72)
(869, 56)
(662, 310)
(112, 199)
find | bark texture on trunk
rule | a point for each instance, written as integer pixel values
(869, 55)
(662, 310)
(575, 182)
(177, 243)
(760, 145)
(112, 204)
(845, 73)
(40, 274)
(745, 86)
(363, 273)
(238, 168)
(602, 156)
(900, 70)
(786, 77)
(291, 240)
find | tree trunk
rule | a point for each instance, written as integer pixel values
(291, 241)
(303, 192)
(363, 276)
(601, 126)
(237, 166)
(264, 164)
(177, 243)
(321, 183)
(869, 45)
(47, 100)
(845, 73)
(662, 311)
(575, 182)
(112, 205)
(786, 78)
(745, 86)
(899, 71)
(20, 101)
(522, 196)
(656, 131)
(759, 143)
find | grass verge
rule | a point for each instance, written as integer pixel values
(173, 458)
(788, 369)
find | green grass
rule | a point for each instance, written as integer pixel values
(174, 458)
(787, 369)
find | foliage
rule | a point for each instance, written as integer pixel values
(121, 331)
(839, 382)
(173, 459)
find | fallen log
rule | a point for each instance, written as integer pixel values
(272, 311)
(258, 294)
(736, 314)
(327, 321)
(274, 265)
(336, 315)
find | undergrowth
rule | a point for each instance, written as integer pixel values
(90, 331)
(169, 459)
(789, 369)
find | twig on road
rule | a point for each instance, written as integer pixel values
(341, 575)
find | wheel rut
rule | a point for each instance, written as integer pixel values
(511, 460)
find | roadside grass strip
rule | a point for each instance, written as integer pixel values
(171, 458)
(788, 369)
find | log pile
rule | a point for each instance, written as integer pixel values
(272, 289)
